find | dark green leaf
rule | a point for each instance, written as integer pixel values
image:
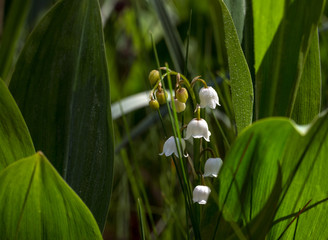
(282, 37)
(15, 140)
(61, 86)
(241, 82)
(36, 203)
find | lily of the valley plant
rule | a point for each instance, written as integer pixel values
(197, 128)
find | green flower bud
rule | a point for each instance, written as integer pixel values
(182, 95)
(153, 77)
(161, 96)
(153, 104)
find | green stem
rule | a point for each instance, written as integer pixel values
(221, 130)
(161, 118)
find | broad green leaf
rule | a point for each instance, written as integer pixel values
(13, 27)
(282, 37)
(36, 203)
(241, 82)
(61, 85)
(237, 9)
(308, 182)
(15, 140)
(308, 100)
(269, 152)
(253, 159)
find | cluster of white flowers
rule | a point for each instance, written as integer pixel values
(197, 128)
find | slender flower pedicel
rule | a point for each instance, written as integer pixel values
(198, 128)
(169, 147)
(200, 194)
(212, 167)
(208, 97)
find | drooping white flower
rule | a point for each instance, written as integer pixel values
(200, 194)
(198, 128)
(179, 106)
(208, 97)
(212, 167)
(169, 147)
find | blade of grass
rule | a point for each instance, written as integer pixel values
(142, 224)
(171, 36)
(13, 27)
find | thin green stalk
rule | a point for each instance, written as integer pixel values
(188, 196)
(141, 219)
(176, 132)
(187, 46)
(221, 130)
(162, 122)
(134, 175)
(175, 127)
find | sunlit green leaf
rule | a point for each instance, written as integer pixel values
(61, 85)
(241, 82)
(282, 37)
(15, 140)
(36, 203)
(308, 100)
(267, 16)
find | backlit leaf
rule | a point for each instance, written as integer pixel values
(36, 203)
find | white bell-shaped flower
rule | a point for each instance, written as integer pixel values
(212, 167)
(200, 194)
(179, 106)
(169, 147)
(208, 97)
(198, 128)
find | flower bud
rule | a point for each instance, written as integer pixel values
(182, 95)
(161, 96)
(179, 106)
(153, 77)
(153, 104)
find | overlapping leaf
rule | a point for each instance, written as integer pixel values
(36, 203)
(270, 150)
(61, 85)
(237, 10)
(241, 82)
(15, 140)
(308, 100)
(283, 33)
